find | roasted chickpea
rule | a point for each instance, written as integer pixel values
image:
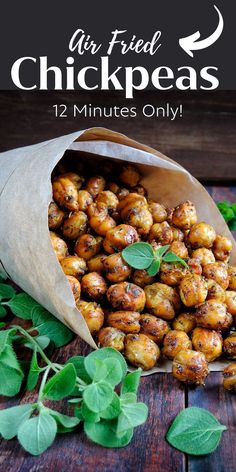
(190, 366)
(75, 225)
(230, 301)
(73, 265)
(93, 285)
(215, 291)
(229, 374)
(162, 300)
(111, 337)
(174, 342)
(120, 237)
(178, 235)
(193, 290)
(232, 277)
(126, 296)
(213, 315)
(170, 212)
(88, 246)
(184, 322)
(179, 248)
(116, 269)
(122, 193)
(59, 246)
(100, 221)
(93, 315)
(65, 192)
(113, 187)
(161, 233)
(204, 256)
(95, 185)
(158, 211)
(202, 235)
(222, 247)
(184, 215)
(141, 219)
(129, 175)
(140, 277)
(140, 190)
(141, 351)
(207, 341)
(75, 178)
(172, 273)
(155, 328)
(218, 272)
(109, 199)
(126, 321)
(55, 216)
(230, 346)
(131, 201)
(194, 267)
(75, 286)
(96, 264)
(84, 199)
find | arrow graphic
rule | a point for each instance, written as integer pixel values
(191, 43)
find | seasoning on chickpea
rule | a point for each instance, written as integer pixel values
(194, 267)
(126, 321)
(84, 199)
(213, 315)
(75, 225)
(202, 235)
(215, 291)
(222, 247)
(141, 351)
(172, 273)
(207, 341)
(155, 328)
(96, 263)
(65, 192)
(73, 265)
(87, 246)
(75, 286)
(203, 255)
(109, 199)
(190, 366)
(95, 185)
(59, 246)
(99, 219)
(193, 290)
(230, 301)
(118, 238)
(174, 342)
(126, 296)
(116, 269)
(93, 285)
(232, 277)
(111, 337)
(230, 346)
(178, 234)
(185, 322)
(184, 215)
(229, 374)
(140, 277)
(161, 233)
(218, 272)
(162, 300)
(179, 248)
(158, 211)
(93, 315)
(55, 216)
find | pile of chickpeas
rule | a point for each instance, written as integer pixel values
(186, 314)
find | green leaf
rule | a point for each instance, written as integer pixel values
(138, 255)
(131, 382)
(102, 354)
(78, 363)
(61, 384)
(132, 414)
(3, 311)
(22, 305)
(195, 431)
(11, 374)
(158, 253)
(171, 257)
(65, 423)
(43, 342)
(47, 325)
(128, 397)
(98, 396)
(109, 370)
(232, 224)
(233, 206)
(34, 372)
(89, 415)
(5, 338)
(38, 433)
(11, 419)
(6, 292)
(113, 410)
(226, 210)
(154, 267)
(2, 325)
(103, 433)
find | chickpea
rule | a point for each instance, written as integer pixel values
(215, 291)
(139, 218)
(218, 272)
(100, 221)
(129, 175)
(140, 190)
(126, 321)
(75, 225)
(190, 366)
(222, 247)
(230, 301)
(75, 178)
(73, 265)
(202, 235)
(230, 346)
(162, 300)
(111, 337)
(194, 267)
(232, 277)
(184, 215)
(207, 341)
(122, 193)
(84, 199)
(113, 187)
(131, 201)
(158, 211)
(109, 199)
(229, 374)
(59, 246)
(141, 351)
(55, 216)
(120, 237)
(204, 256)
(213, 315)
(93, 315)
(174, 342)
(184, 322)
(96, 264)
(141, 278)
(155, 328)
(87, 246)
(170, 212)
(116, 269)
(172, 273)
(95, 185)
(179, 248)
(93, 285)
(161, 233)
(178, 235)
(75, 286)
(65, 193)
(193, 290)
(126, 296)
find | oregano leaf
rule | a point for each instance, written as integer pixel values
(138, 255)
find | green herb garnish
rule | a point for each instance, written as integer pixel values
(143, 256)
(228, 212)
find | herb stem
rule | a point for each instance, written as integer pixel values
(44, 379)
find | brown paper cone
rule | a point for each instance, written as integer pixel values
(26, 254)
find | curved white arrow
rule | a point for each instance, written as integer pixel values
(191, 43)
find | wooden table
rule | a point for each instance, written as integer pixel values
(205, 141)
